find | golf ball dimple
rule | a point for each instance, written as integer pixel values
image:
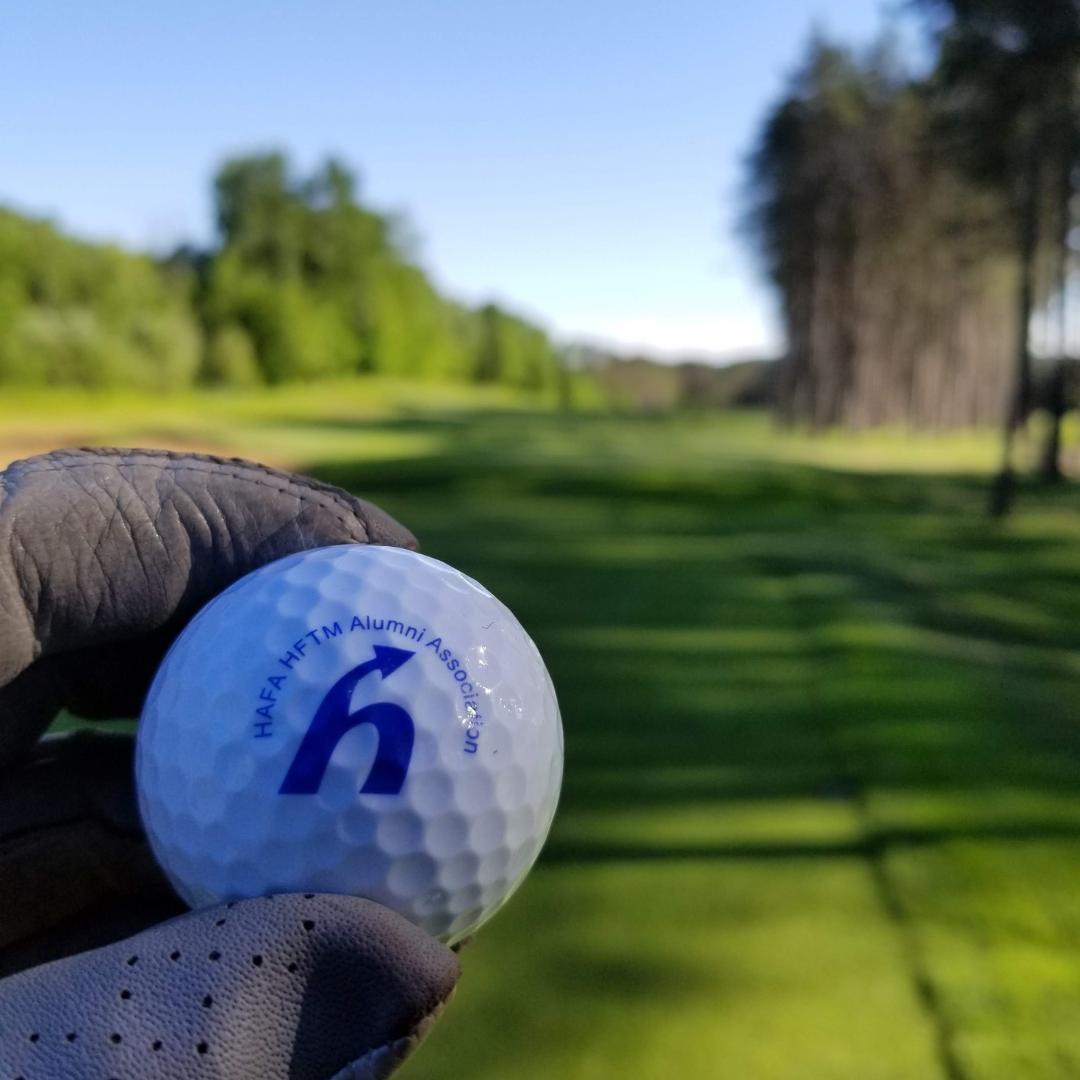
(355, 719)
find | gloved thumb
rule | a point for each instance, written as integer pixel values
(289, 987)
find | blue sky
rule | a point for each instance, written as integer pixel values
(580, 161)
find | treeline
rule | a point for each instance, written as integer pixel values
(913, 226)
(305, 283)
(643, 384)
(90, 315)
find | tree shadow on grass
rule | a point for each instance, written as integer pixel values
(768, 631)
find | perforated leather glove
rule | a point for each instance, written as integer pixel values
(104, 556)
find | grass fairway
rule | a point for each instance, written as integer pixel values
(821, 818)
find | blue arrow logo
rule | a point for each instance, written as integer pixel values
(333, 720)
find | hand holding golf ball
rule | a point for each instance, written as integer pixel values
(107, 553)
(353, 719)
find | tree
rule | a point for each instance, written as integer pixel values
(1006, 85)
(305, 282)
(322, 285)
(890, 264)
(90, 315)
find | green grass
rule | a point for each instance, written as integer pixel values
(763, 968)
(821, 816)
(800, 702)
(384, 419)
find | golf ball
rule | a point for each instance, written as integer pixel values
(355, 719)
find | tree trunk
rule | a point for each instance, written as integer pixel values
(1016, 411)
(1055, 403)
(1055, 397)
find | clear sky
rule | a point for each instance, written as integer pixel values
(577, 159)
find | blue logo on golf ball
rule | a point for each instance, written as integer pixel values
(333, 720)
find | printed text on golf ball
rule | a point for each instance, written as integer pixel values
(354, 719)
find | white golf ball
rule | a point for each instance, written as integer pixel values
(359, 720)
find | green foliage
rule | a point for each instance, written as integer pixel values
(324, 287)
(90, 315)
(412, 331)
(230, 358)
(512, 351)
(1006, 83)
(306, 284)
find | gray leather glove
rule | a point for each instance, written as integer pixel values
(104, 556)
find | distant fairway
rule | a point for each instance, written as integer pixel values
(821, 818)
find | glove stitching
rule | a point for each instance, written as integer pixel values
(104, 452)
(289, 482)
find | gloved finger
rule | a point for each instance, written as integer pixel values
(105, 555)
(73, 859)
(282, 988)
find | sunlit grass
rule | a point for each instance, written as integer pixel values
(686, 968)
(283, 425)
(693, 826)
(288, 424)
(998, 928)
